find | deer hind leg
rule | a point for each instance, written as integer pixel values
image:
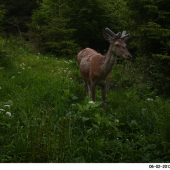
(86, 88)
(93, 91)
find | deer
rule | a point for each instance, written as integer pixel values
(96, 68)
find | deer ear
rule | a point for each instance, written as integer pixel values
(126, 39)
(107, 36)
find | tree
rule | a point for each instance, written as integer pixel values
(89, 17)
(151, 32)
(50, 27)
(2, 12)
(18, 12)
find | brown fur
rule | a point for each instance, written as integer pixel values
(96, 68)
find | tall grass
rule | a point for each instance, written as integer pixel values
(45, 116)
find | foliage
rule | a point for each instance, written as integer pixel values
(44, 115)
(52, 121)
(2, 12)
(17, 14)
(60, 25)
(89, 17)
(151, 34)
(50, 31)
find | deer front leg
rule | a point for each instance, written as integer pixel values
(103, 92)
(93, 91)
(86, 88)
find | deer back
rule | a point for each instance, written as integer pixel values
(90, 63)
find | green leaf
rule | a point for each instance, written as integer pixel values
(79, 159)
(85, 119)
(95, 126)
(74, 97)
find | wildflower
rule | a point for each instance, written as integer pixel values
(7, 106)
(8, 113)
(23, 64)
(149, 99)
(2, 110)
(13, 77)
(23, 68)
(117, 138)
(52, 70)
(71, 78)
(19, 72)
(116, 120)
(91, 102)
(29, 67)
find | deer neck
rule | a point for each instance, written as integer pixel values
(109, 62)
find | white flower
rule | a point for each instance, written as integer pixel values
(52, 70)
(117, 138)
(149, 99)
(8, 113)
(13, 77)
(7, 106)
(116, 120)
(2, 110)
(23, 68)
(29, 67)
(71, 78)
(91, 102)
(23, 64)
(19, 72)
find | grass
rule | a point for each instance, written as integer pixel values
(52, 121)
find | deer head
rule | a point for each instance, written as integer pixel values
(117, 45)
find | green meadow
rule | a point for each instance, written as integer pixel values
(45, 116)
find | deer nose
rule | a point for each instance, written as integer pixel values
(130, 56)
